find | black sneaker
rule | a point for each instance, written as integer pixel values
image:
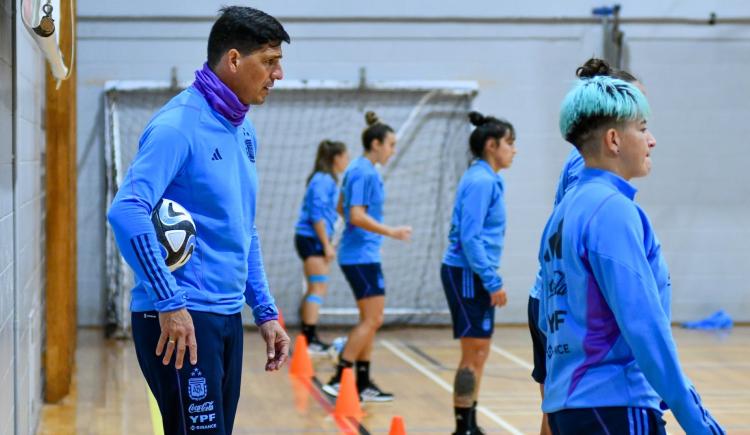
(317, 347)
(332, 387)
(372, 393)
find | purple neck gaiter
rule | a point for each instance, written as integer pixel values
(219, 96)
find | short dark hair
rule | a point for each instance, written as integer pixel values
(487, 127)
(375, 130)
(245, 29)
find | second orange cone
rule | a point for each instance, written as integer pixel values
(301, 364)
(397, 426)
(347, 403)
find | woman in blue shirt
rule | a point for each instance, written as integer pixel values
(313, 232)
(472, 284)
(361, 203)
(569, 176)
(605, 300)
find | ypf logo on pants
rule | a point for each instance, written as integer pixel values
(203, 421)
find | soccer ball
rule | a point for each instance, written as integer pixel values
(337, 346)
(175, 231)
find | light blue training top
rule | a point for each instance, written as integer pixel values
(605, 308)
(192, 155)
(569, 175)
(319, 204)
(362, 186)
(477, 232)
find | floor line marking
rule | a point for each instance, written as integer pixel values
(447, 387)
(499, 350)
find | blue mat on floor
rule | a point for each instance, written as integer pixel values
(717, 320)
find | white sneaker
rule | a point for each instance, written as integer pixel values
(332, 388)
(372, 393)
(318, 348)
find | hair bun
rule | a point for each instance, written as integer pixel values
(594, 67)
(477, 118)
(371, 118)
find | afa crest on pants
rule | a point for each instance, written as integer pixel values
(197, 388)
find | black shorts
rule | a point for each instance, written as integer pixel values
(469, 303)
(616, 420)
(366, 280)
(538, 342)
(308, 246)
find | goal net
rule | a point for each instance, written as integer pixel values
(432, 128)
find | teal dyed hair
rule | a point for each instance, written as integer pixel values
(599, 100)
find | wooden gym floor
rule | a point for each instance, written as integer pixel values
(417, 364)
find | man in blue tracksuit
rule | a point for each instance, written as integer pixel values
(605, 301)
(199, 150)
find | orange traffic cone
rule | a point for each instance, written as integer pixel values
(397, 426)
(301, 390)
(347, 404)
(301, 364)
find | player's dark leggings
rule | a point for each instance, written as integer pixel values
(200, 399)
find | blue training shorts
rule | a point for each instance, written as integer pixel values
(538, 342)
(366, 280)
(469, 303)
(308, 246)
(615, 420)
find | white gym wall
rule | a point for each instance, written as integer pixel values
(696, 77)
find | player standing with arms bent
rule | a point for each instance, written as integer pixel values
(361, 202)
(199, 150)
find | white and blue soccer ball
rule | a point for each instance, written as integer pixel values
(175, 231)
(337, 346)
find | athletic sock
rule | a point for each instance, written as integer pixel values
(343, 364)
(309, 332)
(363, 375)
(474, 415)
(463, 420)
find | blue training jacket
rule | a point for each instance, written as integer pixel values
(321, 199)
(477, 228)
(191, 154)
(569, 175)
(605, 308)
(362, 186)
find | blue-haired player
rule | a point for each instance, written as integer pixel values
(313, 232)
(606, 291)
(361, 203)
(569, 175)
(199, 150)
(472, 284)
